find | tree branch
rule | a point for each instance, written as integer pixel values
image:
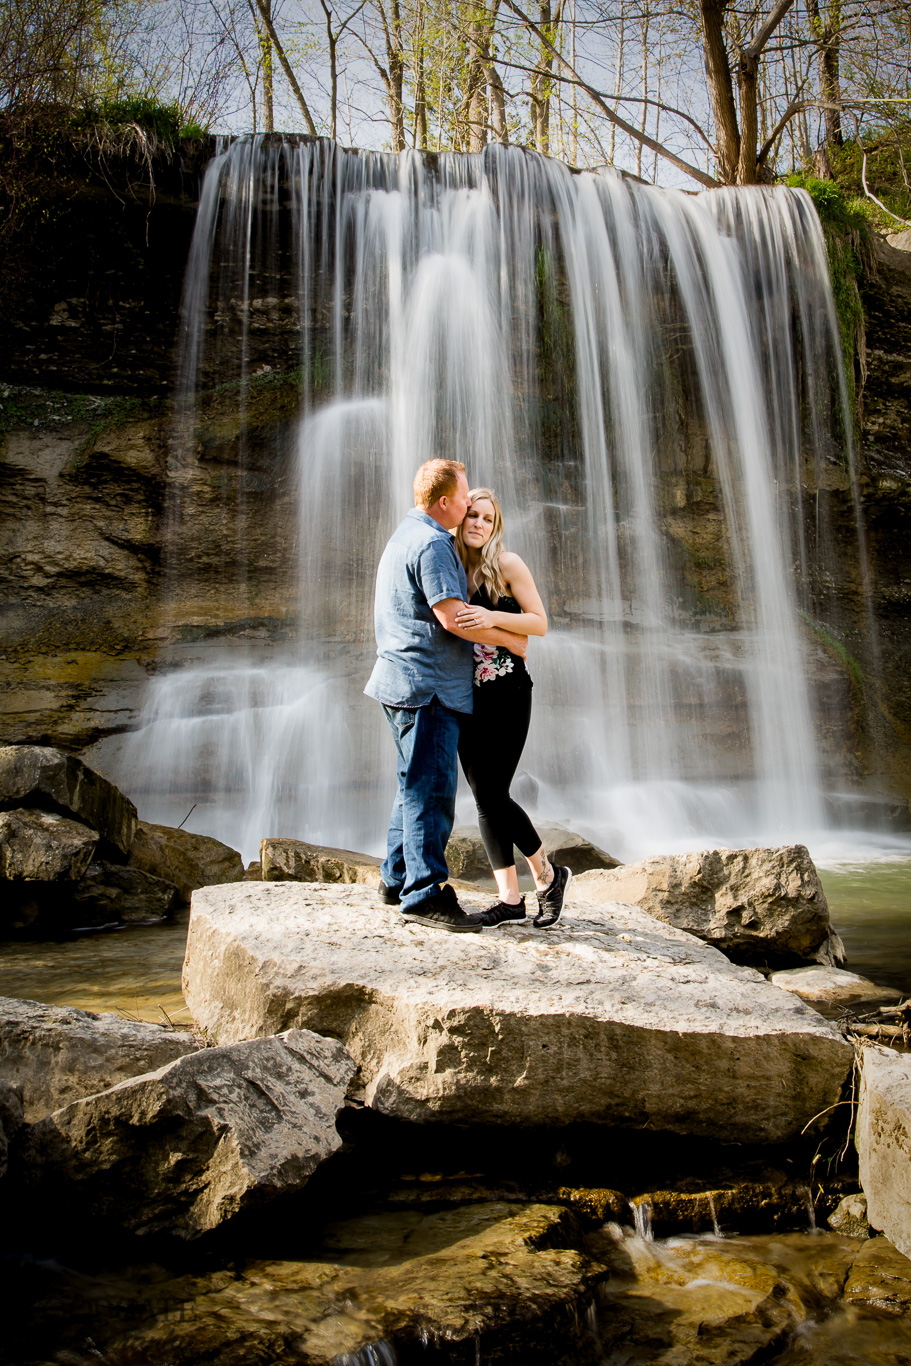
(286, 67)
(701, 176)
(768, 28)
(618, 99)
(795, 107)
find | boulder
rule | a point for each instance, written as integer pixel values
(824, 986)
(467, 859)
(184, 859)
(756, 905)
(614, 1017)
(184, 1149)
(883, 1139)
(111, 892)
(284, 860)
(11, 1120)
(57, 1055)
(36, 846)
(49, 779)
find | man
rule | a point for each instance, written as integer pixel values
(423, 678)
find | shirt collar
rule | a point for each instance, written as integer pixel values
(419, 515)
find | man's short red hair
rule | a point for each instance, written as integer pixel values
(436, 479)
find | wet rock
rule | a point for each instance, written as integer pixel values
(186, 1148)
(614, 1018)
(184, 859)
(467, 858)
(883, 1139)
(11, 1120)
(851, 1335)
(496, 1283)
(756, 905)
(880, 1277)
(748, 1206)
(38, 847)
(110, 892)
(57, 1055)
(707, 1303)
(38, 776)
(850, 1217)
(826, 986)
(285, 860)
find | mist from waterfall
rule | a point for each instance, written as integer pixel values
(573, 337)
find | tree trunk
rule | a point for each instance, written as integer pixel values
(827, 36)
(268, 75)
(721, 89)
(397, 74)
(497, 104)
(266, 16)
(747, 74)
(420, 81)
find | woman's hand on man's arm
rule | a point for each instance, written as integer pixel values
(447, 612)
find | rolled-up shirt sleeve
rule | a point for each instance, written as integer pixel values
(440, 573)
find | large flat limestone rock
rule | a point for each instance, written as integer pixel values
(615, 1017)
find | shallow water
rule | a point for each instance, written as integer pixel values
(870, 906)
(134, 971)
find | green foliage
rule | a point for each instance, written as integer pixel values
(846, 228)
(166, 122)
(22, 407)
(834, 208)
(888, 173)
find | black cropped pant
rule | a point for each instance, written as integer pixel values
(490, 747)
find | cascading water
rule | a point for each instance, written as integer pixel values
(640, 374)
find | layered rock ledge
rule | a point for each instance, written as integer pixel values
(614, 1017)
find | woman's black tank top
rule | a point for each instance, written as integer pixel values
(496, 667)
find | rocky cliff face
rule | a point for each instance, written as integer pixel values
(86, 492)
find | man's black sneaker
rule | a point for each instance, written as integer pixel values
(443, 912)
(550, 901)
(500, 914)
(389, 896)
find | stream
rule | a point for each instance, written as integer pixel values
(416, 1260)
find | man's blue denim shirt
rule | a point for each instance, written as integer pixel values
(418, 658)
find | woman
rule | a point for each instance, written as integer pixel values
(502, 593)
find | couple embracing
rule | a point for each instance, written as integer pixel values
(453, 616)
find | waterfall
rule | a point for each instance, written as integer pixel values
(641, 374)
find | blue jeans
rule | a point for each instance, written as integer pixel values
(426, 743)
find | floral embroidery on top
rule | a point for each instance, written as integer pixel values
(491, 662)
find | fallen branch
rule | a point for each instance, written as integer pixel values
(878, 1031)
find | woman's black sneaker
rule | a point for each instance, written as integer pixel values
(500, 914)
(550, 901)
(390, 896)
(443, 912)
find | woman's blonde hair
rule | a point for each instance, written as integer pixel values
(489, 573)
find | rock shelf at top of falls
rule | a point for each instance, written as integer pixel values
(614, 1017)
